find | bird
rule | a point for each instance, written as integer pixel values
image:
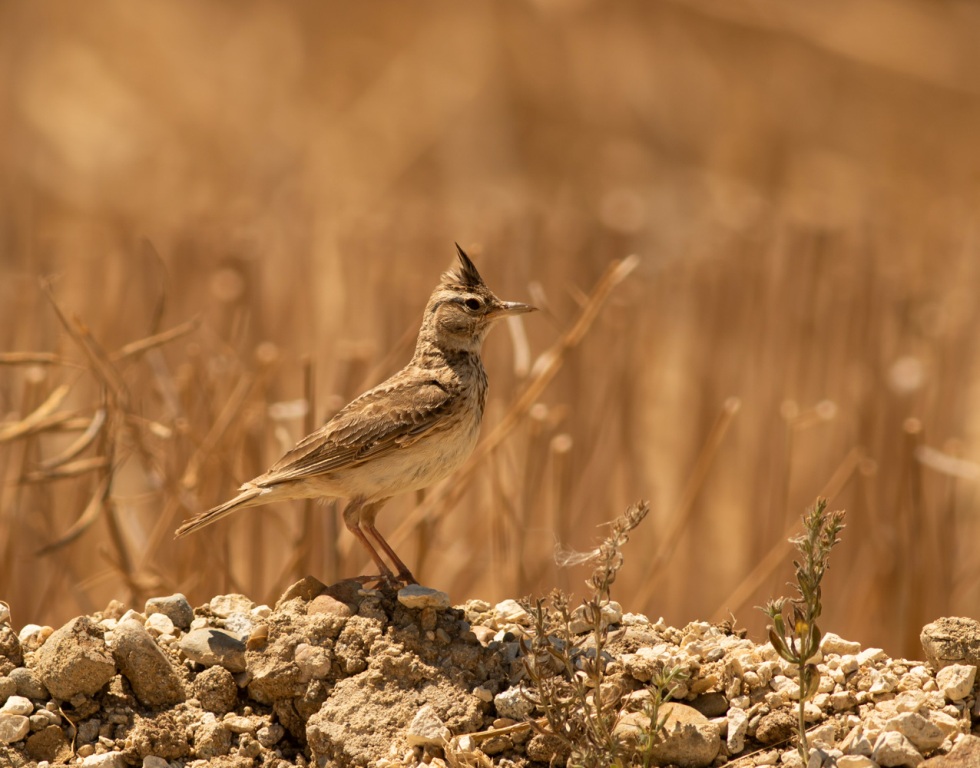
(412, 430)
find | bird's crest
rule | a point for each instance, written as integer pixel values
(465, 275)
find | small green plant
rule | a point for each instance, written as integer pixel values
(794, 632)
(568, 670)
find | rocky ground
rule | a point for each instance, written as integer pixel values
(346, 675)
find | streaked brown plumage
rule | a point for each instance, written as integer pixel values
(405, 434)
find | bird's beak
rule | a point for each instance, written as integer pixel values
(506, 308)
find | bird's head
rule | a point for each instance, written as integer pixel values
(462, 309)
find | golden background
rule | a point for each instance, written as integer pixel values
(799, 182)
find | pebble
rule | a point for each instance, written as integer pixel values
(893, 749)
(270, 735)
(835, 644)
(148, 670)
(688, 737)
(175, 607)
(105, 760)
(75, 660)
(511, 612)
(159, 624)
(30, 632)
(513, 703)
(17, 705)
(132, 615)
(13, 727)
(210, 647)
(956, 680)
(869, 655)
(855, 761)
(738, 727)
(427, 729)
(483, 694)
(610, 613)
(152, 761)
(329, 605)
(225, 605)
(313, 661)
(43, 718)
(416, 596)
(924, 735)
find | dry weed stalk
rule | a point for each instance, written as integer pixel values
(568, 672)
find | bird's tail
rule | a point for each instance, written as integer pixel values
(247, 498)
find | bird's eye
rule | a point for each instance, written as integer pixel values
(473, 304)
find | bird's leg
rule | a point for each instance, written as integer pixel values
(352, 519)
(368, 513)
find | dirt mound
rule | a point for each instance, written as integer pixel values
(347, 676)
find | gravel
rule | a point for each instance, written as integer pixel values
(346, 676)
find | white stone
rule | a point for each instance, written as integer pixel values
(945, 722)
(105, 760)
(956, 680)
(29, 631)
(609, 613)
(17, 705)
(133, 615)
(427, 729)
(225, 605)
(785, 685)
(856, 742)
(832, 643)
(855, 761)
(512, 612)
(483, 694)
(869, 655)
(261, 612)
(13, 728)
(159, 624)
(417, 597)
(924, 735)
(313, 661)
(823, 736)
(738, 726)
(842, 700)
(884, 682)
(893, 749)
(513, 703)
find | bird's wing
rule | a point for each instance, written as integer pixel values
(393, 415)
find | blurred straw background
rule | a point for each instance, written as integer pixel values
(220, 221)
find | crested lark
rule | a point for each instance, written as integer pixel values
(405, 434)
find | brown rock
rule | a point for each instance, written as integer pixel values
(951, 640)
(75, 660)
(328, 604)
(148, 670)
(10, 652)
(160, 736)
(776, 726)
(49, 744)
(215, 688)
(306, 588)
